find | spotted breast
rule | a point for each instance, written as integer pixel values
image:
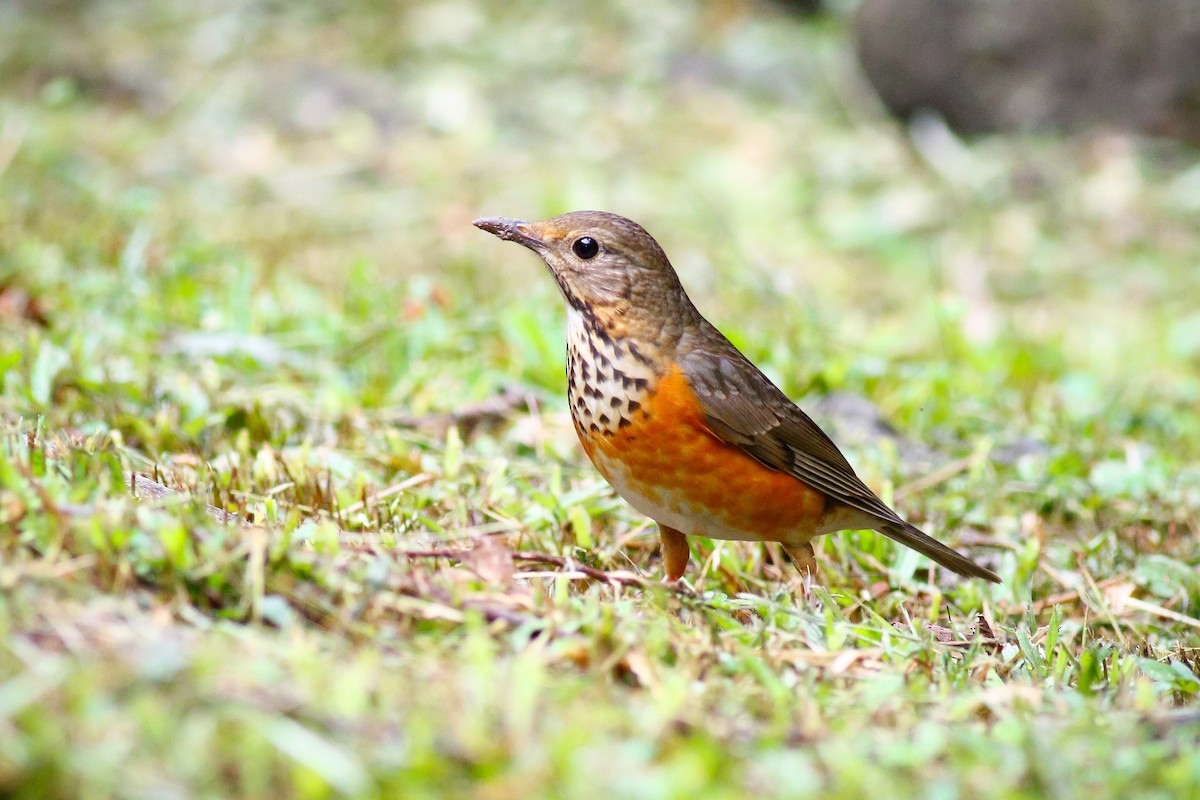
(609, 378)
(641, 427)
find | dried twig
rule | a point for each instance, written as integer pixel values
(619, 577)
(141, 486)
(939, 475)
(394, 489)
(978, 632)
(1062, 598)
(467, 419)
(1156, 610)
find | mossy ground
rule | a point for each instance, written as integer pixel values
(236, 259)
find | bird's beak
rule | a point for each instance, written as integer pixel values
(512, 230)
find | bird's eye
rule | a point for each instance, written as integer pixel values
(586, 247)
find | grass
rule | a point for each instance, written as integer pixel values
(236, 260)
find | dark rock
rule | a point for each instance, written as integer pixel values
(853, 421)
(806, 8)
(1037, 64)
(1020, 447)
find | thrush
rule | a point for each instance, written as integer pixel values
(681, 424)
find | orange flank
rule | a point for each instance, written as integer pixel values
(669, 454)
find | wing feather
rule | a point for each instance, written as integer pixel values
(741, 406)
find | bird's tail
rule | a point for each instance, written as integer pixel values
(926, 545)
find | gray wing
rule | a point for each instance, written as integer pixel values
(744, 408)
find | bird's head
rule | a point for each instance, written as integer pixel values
(600, 261)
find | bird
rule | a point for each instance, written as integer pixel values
(682, 425)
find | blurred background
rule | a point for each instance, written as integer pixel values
(984, 222)
(236, 258)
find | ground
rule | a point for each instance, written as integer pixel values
(236, 261)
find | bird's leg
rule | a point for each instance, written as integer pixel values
(805, 559)
(675, 552)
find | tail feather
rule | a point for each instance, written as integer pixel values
(926, 545)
